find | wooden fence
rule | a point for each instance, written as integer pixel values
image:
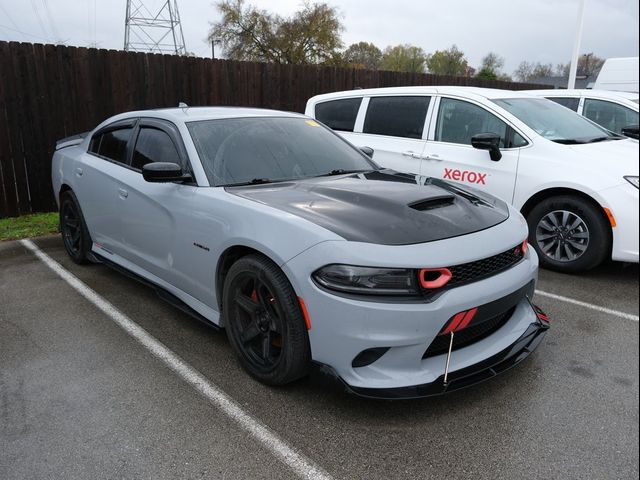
(48, 92)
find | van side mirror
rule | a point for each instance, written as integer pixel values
(488, 141)
(368, 151)
(632, 131)
(158, 172)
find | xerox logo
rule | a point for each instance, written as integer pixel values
(465, 176)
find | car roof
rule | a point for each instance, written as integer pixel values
(473, 92)
(191, 114)
(586, 92)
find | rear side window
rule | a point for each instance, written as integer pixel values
(396, 116)
(609, 115)
(339, 114)
(458, 121)
(112, 144)
(569, 102)
(153, 145)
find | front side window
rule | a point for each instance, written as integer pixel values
(610, 115)
(458, 121)
(339, 114)
(271, 149)
(554, 122)
(112, 144)
(569, 102)
(396, 116)
(153, 145)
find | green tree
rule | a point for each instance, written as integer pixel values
(311, 35)
(491, 66)
(403, 58)
(363, 55)
(447, 62)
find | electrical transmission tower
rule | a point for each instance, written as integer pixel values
(161, 32)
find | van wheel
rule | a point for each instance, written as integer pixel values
(570, 234)
(75, 236)
(264, 322)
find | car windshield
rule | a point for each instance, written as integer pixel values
(555, 122)
(253, 150)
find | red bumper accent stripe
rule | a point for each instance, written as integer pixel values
(467, 319)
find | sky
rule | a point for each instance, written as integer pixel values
(533, 30)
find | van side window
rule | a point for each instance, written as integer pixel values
(609, 115)
(458, 121)
(569, 102)
(112, 144)
(396, 116)
(339, 114)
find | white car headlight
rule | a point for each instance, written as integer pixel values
(632, 180)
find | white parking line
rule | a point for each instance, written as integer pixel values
(301, 465)
(598, 308)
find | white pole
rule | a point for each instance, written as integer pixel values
(576, 47)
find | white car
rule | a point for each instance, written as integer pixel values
(574, 181)
(615, 111)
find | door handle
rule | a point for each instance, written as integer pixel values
(123, 193)
(412, 154)
(433, 156)
(79, 172)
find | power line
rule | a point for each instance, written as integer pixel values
(52, 24)
(25, 33)
(39, 18)
(6, 14)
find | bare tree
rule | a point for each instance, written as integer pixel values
(311, 35)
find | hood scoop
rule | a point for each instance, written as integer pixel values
(432, 203)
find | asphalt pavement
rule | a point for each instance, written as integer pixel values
(80, 398)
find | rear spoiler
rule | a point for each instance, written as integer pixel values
(71, 141)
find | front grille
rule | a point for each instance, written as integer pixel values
(471, 334)
(474, 271)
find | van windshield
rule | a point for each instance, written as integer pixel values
(555, 122)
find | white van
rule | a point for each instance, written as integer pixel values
(615, 111)
(574, 181)
(620, 74)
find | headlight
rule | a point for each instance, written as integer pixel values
(632, 180)
(367, 280)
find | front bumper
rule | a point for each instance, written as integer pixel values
(466, 377)
(623, 203)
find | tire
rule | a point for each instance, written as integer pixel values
(75, 236)
(264, 322)
(569, 233)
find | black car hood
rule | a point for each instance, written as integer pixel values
(383, 207)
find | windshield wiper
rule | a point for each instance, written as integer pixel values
(255, 181)
(568, 141)
(342, 171)
(600, 139)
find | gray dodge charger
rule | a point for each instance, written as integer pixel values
(304, 250)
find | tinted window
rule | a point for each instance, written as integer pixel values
(153, 145)
(237, 150)
(458, 121)
(396, 116)
(610, 115)
(569, 102)
(339, 114)
(112, 144)
(553, 122)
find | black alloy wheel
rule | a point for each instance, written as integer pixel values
(75, 235)
(264, 322)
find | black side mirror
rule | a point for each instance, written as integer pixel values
(163, 172)
(632, 131)
(488, 141)
(368, 151)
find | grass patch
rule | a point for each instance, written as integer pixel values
(26, 226)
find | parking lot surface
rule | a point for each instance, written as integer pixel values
(81, 398)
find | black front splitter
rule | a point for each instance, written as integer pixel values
(489, 368)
